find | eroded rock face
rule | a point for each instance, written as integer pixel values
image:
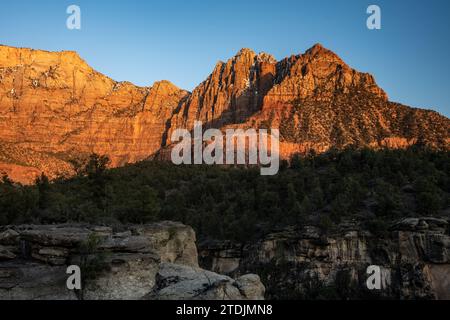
(54, 107)
(414, 261)
(179, 282)
(34, 259)
(157, 261)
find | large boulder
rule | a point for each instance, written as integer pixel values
(179, 282)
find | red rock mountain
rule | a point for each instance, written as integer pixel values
(55, 107)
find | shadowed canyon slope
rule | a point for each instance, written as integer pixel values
(54, 107)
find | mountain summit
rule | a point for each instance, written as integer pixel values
(54, 107)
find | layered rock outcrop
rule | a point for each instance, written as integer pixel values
(54, 107)
(414, 261)
(130, 264)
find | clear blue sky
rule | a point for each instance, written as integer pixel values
(181, 41)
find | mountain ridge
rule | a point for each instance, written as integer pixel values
(54, 106)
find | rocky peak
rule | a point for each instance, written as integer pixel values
(245, 52)
(320, 74)
(166, 86)
(266, 58)
(320, 52)
(249, 83)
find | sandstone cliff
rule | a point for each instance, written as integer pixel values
(55, 107)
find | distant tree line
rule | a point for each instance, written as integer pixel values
(237, 203)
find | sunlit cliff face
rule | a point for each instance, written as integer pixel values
(54, 107)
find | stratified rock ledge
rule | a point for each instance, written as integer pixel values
(128, 264)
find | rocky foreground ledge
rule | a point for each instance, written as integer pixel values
(157, 261)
